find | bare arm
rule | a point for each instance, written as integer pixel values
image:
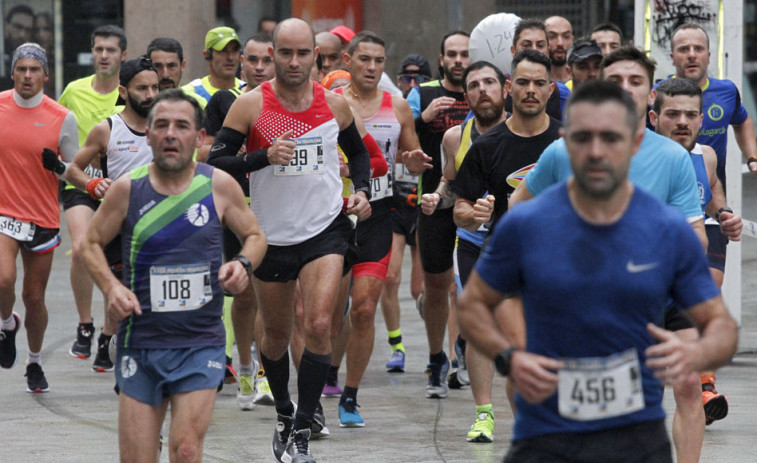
(235, 214)
(675, 360)
(443, 197)
(730, 224)
(744, 134)
(409, 151)
(520, 194)
(95, 145)
(106, 224)
(470, 215)
(533, 375)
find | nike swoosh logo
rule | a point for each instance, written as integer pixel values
(634, 268)
(319, 115)
(37, 124)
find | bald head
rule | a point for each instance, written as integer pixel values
(560, 35)
(290, 27)
(330, 47)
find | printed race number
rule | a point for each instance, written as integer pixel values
(180, 287)
(308, 158)
(601, 387)
(17, 229)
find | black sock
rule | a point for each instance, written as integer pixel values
(333, 375)
(439, 358)
(277, 372)
(310, 381)
(349, 393)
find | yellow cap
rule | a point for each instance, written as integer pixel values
(219, 37)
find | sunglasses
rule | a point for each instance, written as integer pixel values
(407, 78)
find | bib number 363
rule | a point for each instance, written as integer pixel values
(180, 287)
(16, 229)
(602, 387)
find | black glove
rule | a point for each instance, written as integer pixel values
(51, 162)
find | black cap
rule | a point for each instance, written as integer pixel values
(416, 60)
(131, 68)
(582, 51)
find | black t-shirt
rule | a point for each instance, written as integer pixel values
(215, 113)
(430, 134)
(498, 161)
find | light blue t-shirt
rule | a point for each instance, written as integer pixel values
(661, 167)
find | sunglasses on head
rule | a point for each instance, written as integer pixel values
(418, 78)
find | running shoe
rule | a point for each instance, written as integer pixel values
(318, 427)
(82, 347)
(452, 380)
(483, 429)
(102, 361)
(281, 434)
(298, 447)
(230, 376)
(437, 386)
(396, 363)
(8, 354)
(263, 395)
(715, 405)
(332, 390)
(419, 305)
(349, 417)
(245, 393)
(35, 379)
(462, 368)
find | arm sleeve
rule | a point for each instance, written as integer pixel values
(379, 166)
(693, 283)
(223, 154)
(414, 100)
(684, 194)
(357, 154)
(68, 141)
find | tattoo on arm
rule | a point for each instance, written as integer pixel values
(447, 197)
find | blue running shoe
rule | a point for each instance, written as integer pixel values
(396, 363)
(349, 417)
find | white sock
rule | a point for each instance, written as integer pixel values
(10, 323)
(34, 357)
(246, 370)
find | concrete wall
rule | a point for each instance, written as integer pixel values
(186, 21)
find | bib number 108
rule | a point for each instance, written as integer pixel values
(176, 289)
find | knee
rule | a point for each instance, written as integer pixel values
(186, 450)
(317, 327)
(8, 282)
(362, 315)
(392, 281)
(688, 394)
(33, 299)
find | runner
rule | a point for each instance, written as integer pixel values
(169, 302)
(298, 202)
(589, 381)
(36, 131)
(91, 99)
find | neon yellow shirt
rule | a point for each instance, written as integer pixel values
(89, 106)
(202, 90)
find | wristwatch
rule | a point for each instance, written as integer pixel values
(503, 359)
(721, 210)
(245, 263)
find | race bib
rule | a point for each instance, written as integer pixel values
(93, 172)
(381, 187)
(401, 174)
(175, 288)
(601, 387)
(16, 229)
(308, 158)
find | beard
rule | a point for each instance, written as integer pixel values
(451, 77)
(491, 114)
(597, 189)
(139, 107)
(557, 61)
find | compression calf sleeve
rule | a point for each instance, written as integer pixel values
(357, 154)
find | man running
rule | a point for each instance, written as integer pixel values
(91, 99)
(292, 127)
(390, 121)
(171, 337)
(595, 274)
(222, 47)
(36, 131)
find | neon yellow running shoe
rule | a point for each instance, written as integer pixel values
(483, 429)
(245, 393)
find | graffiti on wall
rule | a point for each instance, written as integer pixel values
(667, 15)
